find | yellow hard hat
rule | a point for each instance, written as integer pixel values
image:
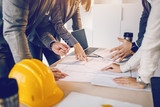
(37, 86)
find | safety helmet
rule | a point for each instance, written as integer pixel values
(37, 86)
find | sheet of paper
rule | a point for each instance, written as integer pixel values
(92, 66)
(107, 80)
(82, 71)
(78, 76)
(75, 99)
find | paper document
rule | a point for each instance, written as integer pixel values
(75, 99)
(82, 71)
(107, 80)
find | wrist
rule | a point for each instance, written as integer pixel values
(51, 44)
(141, 82)
(76, 44)
(134, 48)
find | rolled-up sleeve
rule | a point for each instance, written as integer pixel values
(15, 16)
(59, 27)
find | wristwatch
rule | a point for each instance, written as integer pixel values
(140, 81)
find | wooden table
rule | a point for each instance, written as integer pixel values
(137, 97)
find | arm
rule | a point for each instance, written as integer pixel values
(127, 47)
(65, 35)
(151, 45)
(77, 20)
(45, 31)
(58, 24)
(15, 15)
(142, 28)
(133, 62)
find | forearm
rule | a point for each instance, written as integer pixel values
(133, 62)
(18, 45)
(60, 29)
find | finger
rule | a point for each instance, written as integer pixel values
(55, 70)
(122, 79)
(118, 56)
(56, 79)
(62, 52)
(77, 57)
(114, 49)
(122, 58)
(66, 46)
(57, 75)
(111, 70)
(65, 74)
(81, 57)
(86, 58)
(107, 68)
(121, 40)
(63, 46)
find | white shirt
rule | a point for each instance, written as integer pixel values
(149, 1)
(149, 53)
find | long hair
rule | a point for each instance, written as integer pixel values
(85, 3)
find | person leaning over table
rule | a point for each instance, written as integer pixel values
(128, 48)
(20, 19)
(147, 56)
(63, 11)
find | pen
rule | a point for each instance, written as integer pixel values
(98, 55)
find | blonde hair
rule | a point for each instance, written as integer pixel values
(86, 3)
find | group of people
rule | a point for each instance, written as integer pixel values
(30, 28)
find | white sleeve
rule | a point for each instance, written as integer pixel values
(132, 62)
(151, 44)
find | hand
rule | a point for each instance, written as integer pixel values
(60, 48)
(113, 68)
(79, 52)
(122, 51)
(58, 74)
(128, 82)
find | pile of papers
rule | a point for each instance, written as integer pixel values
(82, 71)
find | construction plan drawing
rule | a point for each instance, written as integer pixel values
(83, 71)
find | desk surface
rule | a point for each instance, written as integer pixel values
(138, 97)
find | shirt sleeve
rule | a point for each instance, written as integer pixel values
(151, 45)
(56, 19)
(15, 16)
(77, 20)
(133, 62)
(45, 32)
(142, 28)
